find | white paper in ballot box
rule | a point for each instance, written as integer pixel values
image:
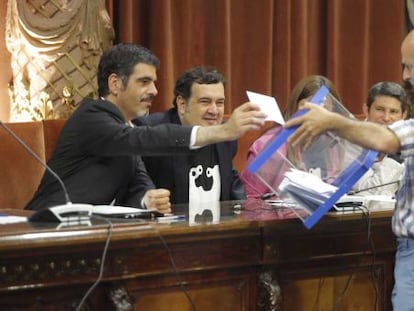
(312, 178)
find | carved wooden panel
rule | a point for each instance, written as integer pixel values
(266, 264)
(55, 48)
(231, 295)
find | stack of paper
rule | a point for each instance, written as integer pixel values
(308, 190)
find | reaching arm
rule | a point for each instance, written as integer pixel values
(244, 118)
(366, 134)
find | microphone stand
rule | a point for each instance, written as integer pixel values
(75, 212)
(373, 187)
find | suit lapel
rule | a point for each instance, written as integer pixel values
(222, 158)
(180, 171)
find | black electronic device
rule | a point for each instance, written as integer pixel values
(63, 213)
(74, 213)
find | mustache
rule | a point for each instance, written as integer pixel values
(409, 90)
(407, 85)
(148, 98)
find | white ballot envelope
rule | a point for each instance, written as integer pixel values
(268, 105)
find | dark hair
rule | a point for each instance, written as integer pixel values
(121, 59)
(306, 88)
(200, 75)
(390, 89)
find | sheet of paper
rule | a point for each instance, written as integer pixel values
(268, 105)
(309, 182)
(114, 209)
(8, 219)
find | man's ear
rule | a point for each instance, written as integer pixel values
(365, 110)
(114, 84)
(180, 102)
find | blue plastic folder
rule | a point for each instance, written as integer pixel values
(353, 162)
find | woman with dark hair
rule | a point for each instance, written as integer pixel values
(286, 156)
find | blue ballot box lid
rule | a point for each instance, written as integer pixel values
(334, 161)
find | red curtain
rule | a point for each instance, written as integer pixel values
(268, 45)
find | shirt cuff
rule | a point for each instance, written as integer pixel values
(143, 204)
(194, 137)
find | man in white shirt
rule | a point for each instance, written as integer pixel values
(386, 103)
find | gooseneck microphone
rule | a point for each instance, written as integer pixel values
(68, 213)
(74, 212)
(34, 155)
(352, 192)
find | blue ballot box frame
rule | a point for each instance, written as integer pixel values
(344, 182)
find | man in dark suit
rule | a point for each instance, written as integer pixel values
(97, 155)
(206, 173)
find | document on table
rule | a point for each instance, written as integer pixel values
(9, 219)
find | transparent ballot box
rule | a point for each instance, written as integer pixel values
(311, 180)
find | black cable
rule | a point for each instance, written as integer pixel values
(366, 215)
(174, 267)
(352, 192)
(348, 281)
(317, 300)
(373, 251)
(176, 272)
(102, 265)
(101, 270)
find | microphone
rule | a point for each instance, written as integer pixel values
(373, 187)
(67, 212)
(267, 195)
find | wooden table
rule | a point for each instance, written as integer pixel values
(257, 258)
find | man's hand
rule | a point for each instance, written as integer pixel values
(380, 156)
(158, 199)
(313, 123)
(244, 118)
(318, 120)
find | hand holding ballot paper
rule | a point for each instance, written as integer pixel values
(268, 105)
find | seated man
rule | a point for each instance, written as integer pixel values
(386, 103)
(198, 100)
(97, 155)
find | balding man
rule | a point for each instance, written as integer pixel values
(397, 137)
(407, 64)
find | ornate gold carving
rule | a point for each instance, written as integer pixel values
(270, 295)
(67, 105)
(120, 298)
(45, 107)
(48, 269)
(55, 47)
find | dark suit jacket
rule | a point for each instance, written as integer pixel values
(97, 157)
(171, 172)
